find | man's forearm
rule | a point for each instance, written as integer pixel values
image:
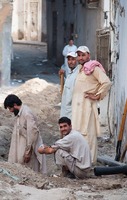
(46, 150)
(92, 96)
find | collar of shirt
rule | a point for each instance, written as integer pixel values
(20, 111)
(72, 71)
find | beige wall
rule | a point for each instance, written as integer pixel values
(27, 20)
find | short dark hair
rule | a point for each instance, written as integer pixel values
(64, 120)
(71, 38)
(10, 100)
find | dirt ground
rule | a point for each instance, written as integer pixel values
(36, 81)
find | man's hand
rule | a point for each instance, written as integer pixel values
(26, 158)
(61, 71)
(27, 154)
(46, 150)
(92, 96)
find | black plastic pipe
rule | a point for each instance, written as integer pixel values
(98, 171)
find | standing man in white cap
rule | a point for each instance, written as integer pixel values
(66, 102)
(91, 84)
(67, 49)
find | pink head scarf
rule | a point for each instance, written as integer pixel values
(90, 66)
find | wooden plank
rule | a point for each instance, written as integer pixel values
(120, 135)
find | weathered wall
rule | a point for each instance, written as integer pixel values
(103, 56)
(44, 22)
(55, 29)
(118, 59)
(5, 42)
(72, 18)
(17, 20)
(88, 21)
(29, 20)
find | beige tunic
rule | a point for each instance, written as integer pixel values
(26, 135)
(84, 111)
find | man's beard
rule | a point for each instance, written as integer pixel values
(16, 111)
(72, 68)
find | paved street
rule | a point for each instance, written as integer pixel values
(30, 61)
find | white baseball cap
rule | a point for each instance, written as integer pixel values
(72, 54)
(83, 49)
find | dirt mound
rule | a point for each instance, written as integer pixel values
(42, 97)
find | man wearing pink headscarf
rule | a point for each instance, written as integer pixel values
(91, 84)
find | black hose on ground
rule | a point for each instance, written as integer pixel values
(98, 171)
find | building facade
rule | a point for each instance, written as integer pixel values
(74, 18)
(118, 29)
(29, 20)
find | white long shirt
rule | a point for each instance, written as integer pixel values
(66, 50)
(67, 94)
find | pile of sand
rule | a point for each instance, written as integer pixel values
(40, 95)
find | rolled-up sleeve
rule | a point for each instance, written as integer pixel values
(104, 81)
(64, 143)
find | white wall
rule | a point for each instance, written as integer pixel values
(107, 10)
(119, 60)
(121, 84)
(17, 20)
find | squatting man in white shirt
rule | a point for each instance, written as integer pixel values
(72, 151)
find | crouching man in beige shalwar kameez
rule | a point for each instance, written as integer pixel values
(26, 137)
(71, 152)
(92, 84)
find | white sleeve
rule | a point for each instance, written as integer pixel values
(65, 51)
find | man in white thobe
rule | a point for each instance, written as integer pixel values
(69, 85)
(67, 49)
